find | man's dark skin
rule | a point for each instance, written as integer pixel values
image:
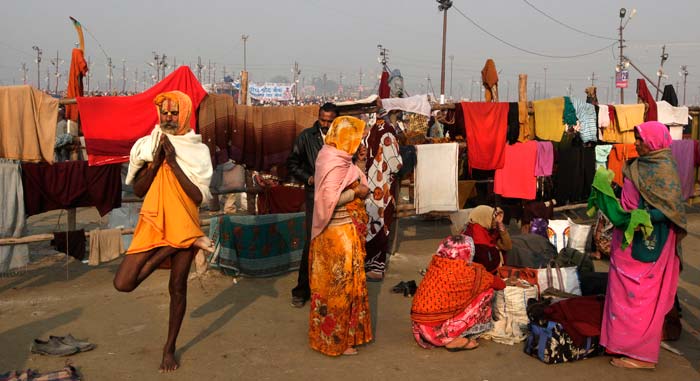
(135, 268)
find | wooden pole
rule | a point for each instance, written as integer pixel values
(48, 237)
(244, 88)
(522, 88)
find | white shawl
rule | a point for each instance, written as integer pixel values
(191, 155)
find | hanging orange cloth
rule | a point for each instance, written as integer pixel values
(619, 155)
(78, 69)
(489, 77)
(168, 216)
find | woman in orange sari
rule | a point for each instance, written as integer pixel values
(339, 318)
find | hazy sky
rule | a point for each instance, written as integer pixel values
(334, 37)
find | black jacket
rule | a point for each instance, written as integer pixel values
(301, 162)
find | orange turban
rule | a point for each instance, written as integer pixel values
(168, 101)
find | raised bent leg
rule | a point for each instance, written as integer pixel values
(181, 262)
(137, 267)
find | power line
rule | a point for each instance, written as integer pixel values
(565, 25)
(526, 50)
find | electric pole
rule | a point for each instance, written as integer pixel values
(110, 67)
(136, 81)
(325, 80)
(452, 60)
(359, 87)
(24, 73)
(38, 66)
(660, 73)
(545, 83)
(56, 63)
(684, 73)
(340, 84)
(295, 80)
(89, 74)
(443, 7)
(123, 76)
(199, 69)
(592, 79)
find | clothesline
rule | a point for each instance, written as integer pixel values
(49, 236)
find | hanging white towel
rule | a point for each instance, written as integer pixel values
(417, 104)
(668, 114)
(436, 178)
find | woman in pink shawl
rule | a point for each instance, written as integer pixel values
(643, 279)
(339, 317)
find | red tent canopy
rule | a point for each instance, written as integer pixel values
(112, 125)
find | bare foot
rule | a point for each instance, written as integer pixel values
(169, 364)
(350, 352)
(204, 243)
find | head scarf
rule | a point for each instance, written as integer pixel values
(482, 215)
(184, 108)
(655, 175)
(335, 170)
(457, 247)
(345, 134)
(655, 135)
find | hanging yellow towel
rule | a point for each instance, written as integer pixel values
(629, 116)
(549, 124)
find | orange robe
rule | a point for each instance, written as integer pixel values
(168, 216)
(78, 69)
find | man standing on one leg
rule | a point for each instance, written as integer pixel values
(172, 169)
(302, 165)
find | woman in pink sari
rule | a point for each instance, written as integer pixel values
(642, 282)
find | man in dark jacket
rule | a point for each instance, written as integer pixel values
(302, 165)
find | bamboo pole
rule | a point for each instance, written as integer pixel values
(48, 237)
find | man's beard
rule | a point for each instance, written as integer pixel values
(169, 127)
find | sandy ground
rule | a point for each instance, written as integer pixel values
(247, 330)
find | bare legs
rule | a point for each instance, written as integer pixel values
(177, 287)
(137, 267)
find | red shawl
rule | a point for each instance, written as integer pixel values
(645, 96)
(486, 125)
(113, 124)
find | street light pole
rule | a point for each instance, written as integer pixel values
(444, 6)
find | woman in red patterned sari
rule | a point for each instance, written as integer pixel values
(453, 302)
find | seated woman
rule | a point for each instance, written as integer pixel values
(490, 236)
(453, 302)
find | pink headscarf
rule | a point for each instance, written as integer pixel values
(457, 247)
(655, 135)
(335, 170)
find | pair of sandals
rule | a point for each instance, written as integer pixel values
(469, 345)
(629, 363)
(406, 288)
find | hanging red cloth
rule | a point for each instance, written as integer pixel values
(112, 125)
(645, 96)
(78, 69)
(486, 125)
(384, 91)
